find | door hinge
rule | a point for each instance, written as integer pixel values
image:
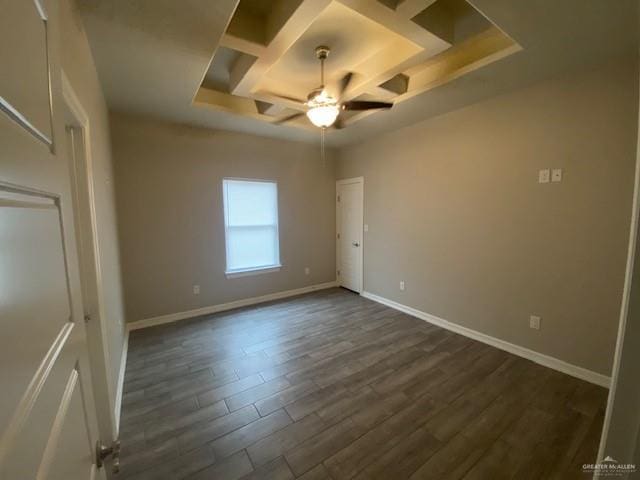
(338, 272)
(103, 452)
(338, 237)
(338, 198)
(87, 318)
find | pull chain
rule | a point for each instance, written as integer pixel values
(324, 162)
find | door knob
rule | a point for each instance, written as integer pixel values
(355, 244)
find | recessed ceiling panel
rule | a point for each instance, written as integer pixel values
(217, 76)
(357, 44)
(452, 20)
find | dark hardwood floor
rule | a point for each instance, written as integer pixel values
(331, 385)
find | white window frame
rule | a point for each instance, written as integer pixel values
(243, 272)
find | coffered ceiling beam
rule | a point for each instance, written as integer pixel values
(225, 102)
(242, 45)
(428, 45)
(379, 93)
(285, 102)
(391, 67)
(263, 108)
(472, 54)
(397, 23)
(467, 56)
(244, 80)
(228, 103)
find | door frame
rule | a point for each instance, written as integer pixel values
(621, 355)
(348, 181)
(88, 246)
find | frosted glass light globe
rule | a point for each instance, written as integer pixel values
(323, 116)
(323, 110)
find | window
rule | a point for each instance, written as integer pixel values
(251, 225)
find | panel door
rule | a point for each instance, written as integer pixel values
(47, 415)
(349, 232)
(42, 411)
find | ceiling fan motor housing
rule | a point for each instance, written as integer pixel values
(314, 94)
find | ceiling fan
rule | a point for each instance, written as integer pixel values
(322, 108)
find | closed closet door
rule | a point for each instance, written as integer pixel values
(349, 214)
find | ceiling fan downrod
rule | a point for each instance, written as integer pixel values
(322, 52)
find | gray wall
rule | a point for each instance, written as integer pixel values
(454, 209)
(168, 183)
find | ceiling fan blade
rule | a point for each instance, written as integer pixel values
(365, 105)
(288, 118)
(344, 83)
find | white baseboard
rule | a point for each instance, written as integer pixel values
(545, 360)
(174, 317)
(120, 385)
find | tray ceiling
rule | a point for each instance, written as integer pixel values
(265, 65)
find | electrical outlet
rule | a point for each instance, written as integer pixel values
(196, 289)
(402, 285)
(556, 175)
(307, 270)
(543, 176)
(534, 322)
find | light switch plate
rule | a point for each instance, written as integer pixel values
(196, 289)
(543, 176)
(556, 175)
(366, 227)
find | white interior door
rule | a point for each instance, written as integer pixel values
(349, 216)
(48, 424)
(43, 412)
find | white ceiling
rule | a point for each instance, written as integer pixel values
(152, 56)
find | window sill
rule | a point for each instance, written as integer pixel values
(252, 271)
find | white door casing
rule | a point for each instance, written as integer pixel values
(349, 233)
(77, 145)
(48, 425)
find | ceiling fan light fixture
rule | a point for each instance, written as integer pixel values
(323, 116)
(323, 109)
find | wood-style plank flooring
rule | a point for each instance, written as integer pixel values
(331, 385)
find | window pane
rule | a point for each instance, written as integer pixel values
(251, 203)
(251, 247)
(251, 224)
